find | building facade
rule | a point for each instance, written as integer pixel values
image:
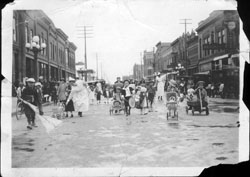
(218, 48)
(137, 71)
(192, 54)
(148, 63)
(159, 60)
(52, 62)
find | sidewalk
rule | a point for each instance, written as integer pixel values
(14, 103)
(225, 105)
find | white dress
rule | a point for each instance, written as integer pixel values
(160, 86)
(80, 96)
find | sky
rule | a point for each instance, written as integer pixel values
(123, 29)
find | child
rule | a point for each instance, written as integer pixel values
(91, 95)
(127, 93)
(151, 95)
(107, 95)
(30, 95)
(70, 106)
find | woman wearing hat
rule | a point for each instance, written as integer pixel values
(201, 93)
(160, 87)
(30, 95)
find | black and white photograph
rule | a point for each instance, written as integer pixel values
(130, 87)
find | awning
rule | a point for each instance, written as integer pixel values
(220, 57)
(202, 73)
(235, 55)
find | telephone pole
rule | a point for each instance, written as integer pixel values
(96, 66)
(85, 31)
(185, 21)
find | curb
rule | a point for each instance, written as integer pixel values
(231, 109)
(44, 104)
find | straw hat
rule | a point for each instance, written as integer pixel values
(30, 80)
(38, 84)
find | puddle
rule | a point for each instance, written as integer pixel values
(24, 149)
(73, 122)
(192, 139)
(218, 144)
(66, 133)
(49, 144)
(215, 126)
(221, 158)
(173, 125)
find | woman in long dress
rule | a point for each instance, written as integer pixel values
(160, 87)
(70, 106)
(80, 96)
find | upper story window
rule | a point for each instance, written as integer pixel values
(31, 35)
(26, 35)
(14, 30)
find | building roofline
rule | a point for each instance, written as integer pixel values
(61, 34)
(72, 45)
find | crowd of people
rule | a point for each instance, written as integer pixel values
(76, 95)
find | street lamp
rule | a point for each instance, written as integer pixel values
(35, 48)
(179, 67)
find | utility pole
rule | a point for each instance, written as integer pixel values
(96, 66)
(185, 21)
(101, 70)
(86, 31)
(141, 65)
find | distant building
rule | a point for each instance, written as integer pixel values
(56, 61)
(159, 61)
(148, 63)
(138, 71)
(81, 72)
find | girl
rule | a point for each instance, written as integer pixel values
(151, 95)
(127, 93)
(70, 106)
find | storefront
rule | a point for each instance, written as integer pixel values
(43, 69)
(29, 67)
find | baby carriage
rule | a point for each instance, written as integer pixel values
(58, 112)
(172, 104)
(117, 104)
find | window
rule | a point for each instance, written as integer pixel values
(51, 51)
(223, 36)
(26, 35)
(31, 35)
(14, 30)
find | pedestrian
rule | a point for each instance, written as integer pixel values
(30, 95)
(208, 89)
(54, 93)
(79, 95)
(143, 99)
(98, 92)
(118, 83)
(20, 90)
(221, 90)
(151, 94)
(70, 105)
(107, 95)
(127, 93)
(212, 90)
(160, 87)
(202, 95)
(62, 91)
(92, 94)
(38, 87)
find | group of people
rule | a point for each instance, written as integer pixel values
(74, 95)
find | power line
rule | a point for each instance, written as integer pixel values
(186, 21)
(85, 29)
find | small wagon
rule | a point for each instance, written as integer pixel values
(172, 105)
(197, 106)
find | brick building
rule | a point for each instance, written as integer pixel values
(159, 60)
(148, 63)
(218, 48)
(138, 71)
(57, 60)
(192, 53)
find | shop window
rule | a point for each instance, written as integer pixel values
(14, 30)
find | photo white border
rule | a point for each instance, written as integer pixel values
(6, 134)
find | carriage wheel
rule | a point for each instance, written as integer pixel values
(187, 109)
(177, 115)
(167, 115)
(110, 111)
(192, 110)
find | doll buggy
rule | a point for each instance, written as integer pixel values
(117, 104)
(172, 105)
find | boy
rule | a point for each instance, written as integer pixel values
(38, 88)
(29, 94)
